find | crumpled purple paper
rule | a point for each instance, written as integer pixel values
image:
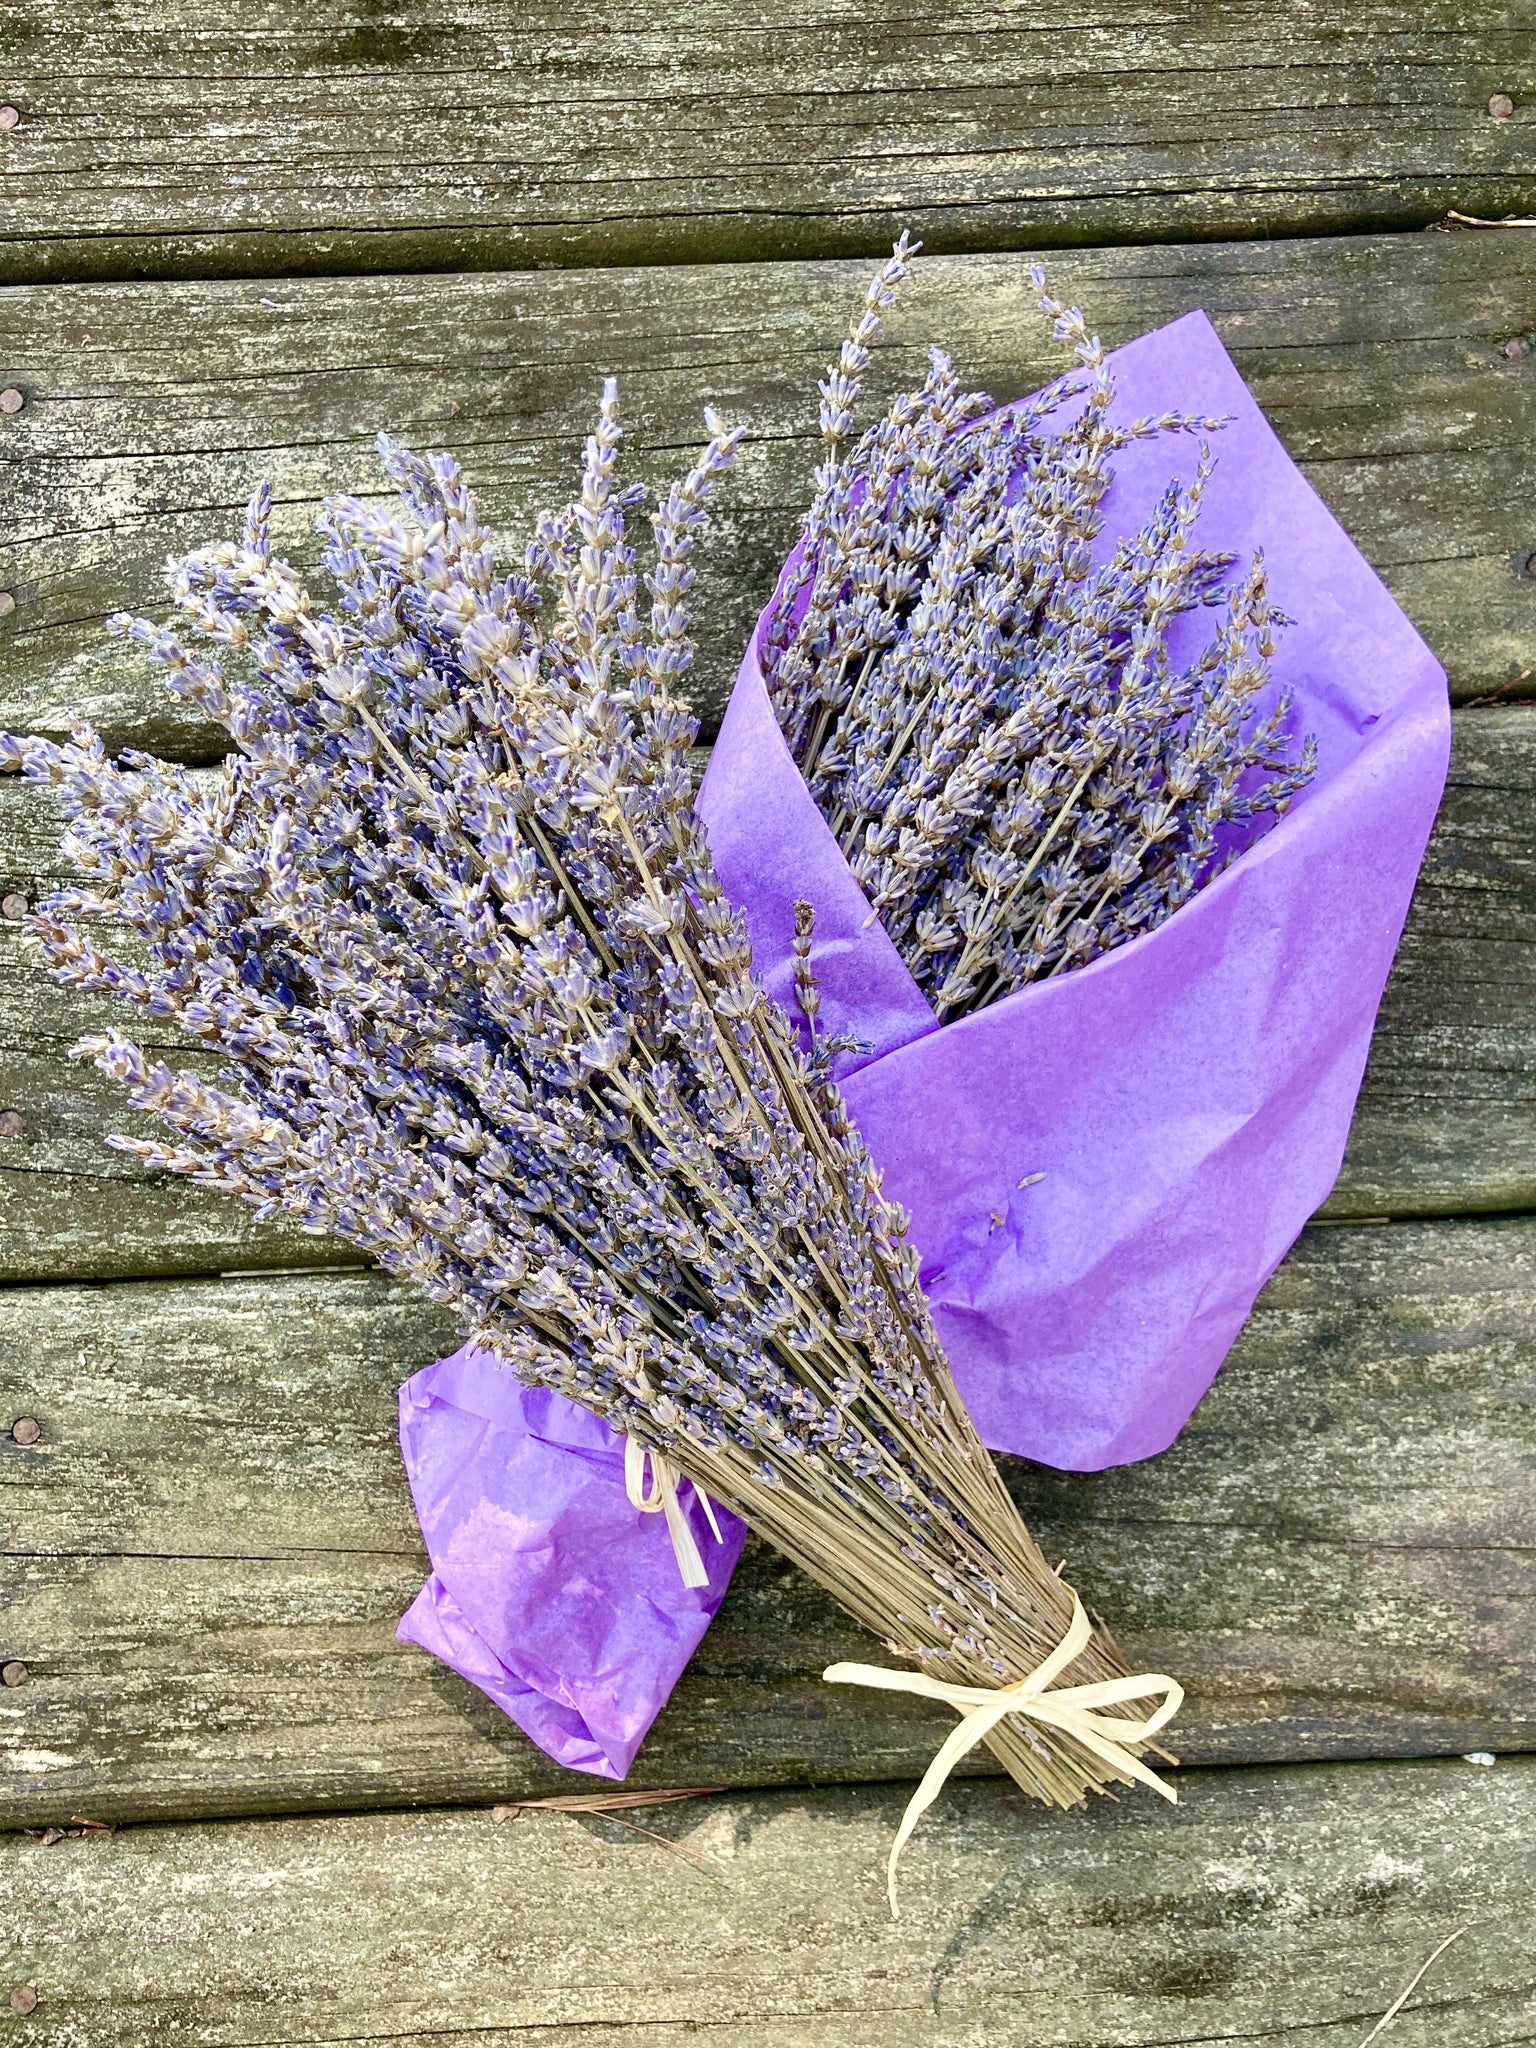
(553, 1595)
(1185, 1098)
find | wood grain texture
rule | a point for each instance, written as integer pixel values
(205, 1554)
(1446, 1123)
(151, 412)
(1446, 1120)
(1280, 1906)
(188, 139)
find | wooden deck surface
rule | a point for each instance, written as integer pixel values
(192, 139)
(236, 243)
(1282, 1905)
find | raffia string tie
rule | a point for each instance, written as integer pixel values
(659, 1497)
(1069, 1708)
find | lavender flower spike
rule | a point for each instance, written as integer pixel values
(986, 713)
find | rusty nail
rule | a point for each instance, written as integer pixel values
(10, 1123)
(7, 603)
(26, 1430)
(1516, 347)
(15, 1673)
(23, 1999)
(13, 906)
(1501, 106)
(10, 117)
(11, 400)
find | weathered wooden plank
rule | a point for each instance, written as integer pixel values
(1282, 1906)
(205, 1553)
(193, 140)
(70, 1207)
(151, 411)
(1445, 1124)
(1447, 1115)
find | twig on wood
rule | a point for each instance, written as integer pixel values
(1403, 1996)
(1471, 220)
(77, 1828)
(1495, 695)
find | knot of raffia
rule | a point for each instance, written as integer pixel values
(1068, 1708)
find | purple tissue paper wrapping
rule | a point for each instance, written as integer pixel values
(548, 1590)
(1185, 1098)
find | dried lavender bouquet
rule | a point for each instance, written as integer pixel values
(447, 911)
(990, 720)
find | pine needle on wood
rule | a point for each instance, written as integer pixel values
(602, 1802)
(607, 1804)
(1407, 1991)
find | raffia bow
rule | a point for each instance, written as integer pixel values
(1069, 1708)
(660, 1498)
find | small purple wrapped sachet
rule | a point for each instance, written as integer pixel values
(1102, 1170)
(549, 1591)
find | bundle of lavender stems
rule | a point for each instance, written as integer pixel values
(447, 915)
(988, 717)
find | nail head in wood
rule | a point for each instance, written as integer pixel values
(14, 906)
(11, 400)
(1516, 347)
(10, 117)
(26, 1430)
(1501, 106)
(13, 1674)
(7, 603)
(23, 1999)
(10, 1123)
